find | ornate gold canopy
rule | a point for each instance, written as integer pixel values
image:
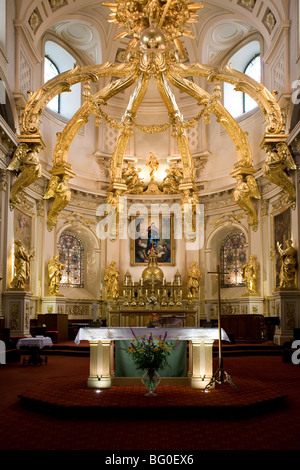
(156, 51)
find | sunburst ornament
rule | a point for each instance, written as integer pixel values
(172, 18)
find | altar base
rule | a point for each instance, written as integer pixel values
(17, 308)
(287, 308)
(102, 370)
(53, 304)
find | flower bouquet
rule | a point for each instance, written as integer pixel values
(149, 355)
(152, 319)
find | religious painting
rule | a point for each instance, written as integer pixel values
(22, 228)
(147, 233)
(282, 232)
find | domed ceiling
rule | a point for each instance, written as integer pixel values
(107, 38)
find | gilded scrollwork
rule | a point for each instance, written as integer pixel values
(245, 190)
(278, 163)
(155, 29)
(132, 180)
(58, 189)
(265, 99)
(171, 183)
(211, 104)
(25, 162)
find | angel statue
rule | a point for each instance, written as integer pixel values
(26, 163)
(60, 191)
(278, 162)
(132, 180)
(21, 265)
(170, 184)
(153, 165)
(243, 193)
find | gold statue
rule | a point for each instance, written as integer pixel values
(111, 277)
(243, 193)
(21, 265)
(288, 265)
(60, 191)
(193, 280)
(189, 204)
(250, 271)
(132, 180)
(170, 184)
(278, 162)
(54, 272)
(152, 164)
(25, 161)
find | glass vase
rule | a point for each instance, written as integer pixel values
(150, 379)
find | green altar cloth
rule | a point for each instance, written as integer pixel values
(125, 367)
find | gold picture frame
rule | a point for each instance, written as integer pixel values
(161, 234)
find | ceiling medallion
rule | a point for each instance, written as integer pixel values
(155, 50)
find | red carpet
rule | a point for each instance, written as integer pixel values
(275, 428)
(70, 395)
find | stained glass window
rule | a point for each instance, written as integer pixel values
(233, 257)
(71, 254)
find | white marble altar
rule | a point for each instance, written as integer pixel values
(101, 351)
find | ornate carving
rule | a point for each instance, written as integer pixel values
(193, 281)
(171, 182)
(60, 191)
(54, 273)
(288, 265)
(21, 265)
(277, 164)
(132, 180)
(250, 272)
(26, 164)
(244, 191)
(111, 278)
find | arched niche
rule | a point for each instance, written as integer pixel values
(92, 262)
(212, 259)
(7, 105)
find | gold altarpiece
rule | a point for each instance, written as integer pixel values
(155, 51)
(152, 299)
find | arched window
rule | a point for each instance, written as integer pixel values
(253, 69)
(246, 60)
(51, 71)
(233, 257)
(58, 59)
(71, 254)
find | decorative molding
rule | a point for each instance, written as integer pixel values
(55, 4)
(3, 179)
(35, 20)
(75, 218)
(269, 20)
(249, 4)
(227, 218)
